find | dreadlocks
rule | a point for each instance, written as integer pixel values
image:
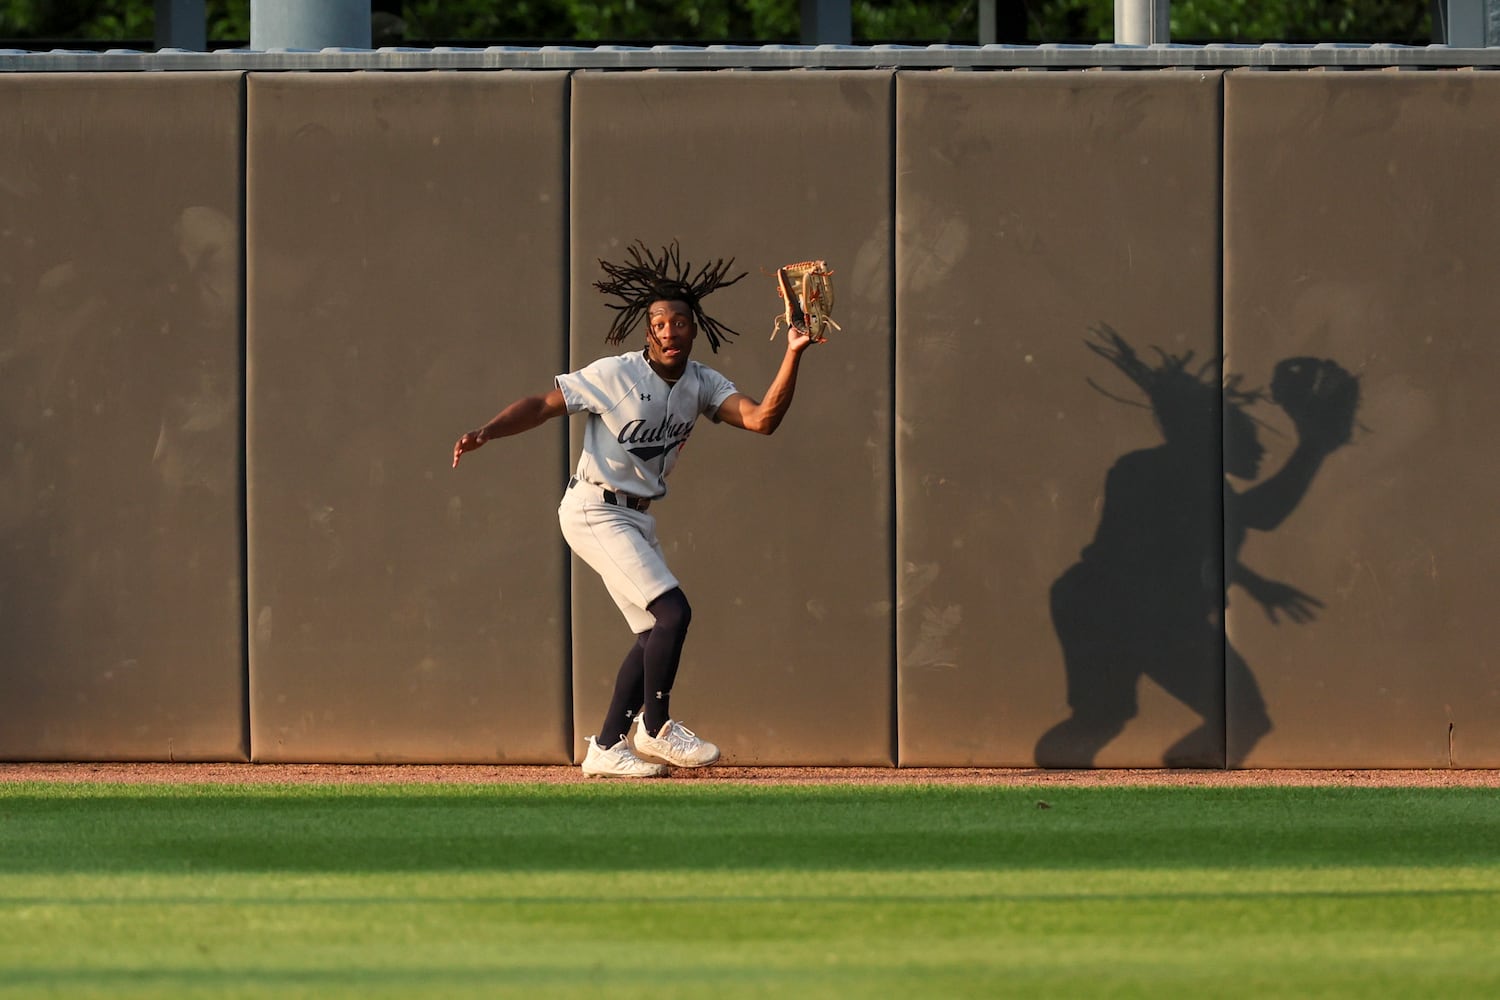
(651, 278)
(1180, 396)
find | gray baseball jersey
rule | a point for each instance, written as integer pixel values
(639, 423)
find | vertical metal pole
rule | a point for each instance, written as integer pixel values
(1142, 22)
(181, 24)
(1460, 23)
(1466, 24)
(988, 28)
(827, 22)
(309, 24)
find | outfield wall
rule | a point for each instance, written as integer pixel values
(244, 315)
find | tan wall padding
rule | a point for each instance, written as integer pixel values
(220, 548)
(121, 600)
(1360, 227)
(1031, 208)
(783, 543)
(406, 261)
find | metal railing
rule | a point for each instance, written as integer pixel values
(1328, 56)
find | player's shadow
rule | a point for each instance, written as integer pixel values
(1146, 599)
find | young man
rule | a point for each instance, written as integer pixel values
(641, 407)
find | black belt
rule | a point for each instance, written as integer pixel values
(617, 499)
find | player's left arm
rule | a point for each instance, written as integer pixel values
(764, 416)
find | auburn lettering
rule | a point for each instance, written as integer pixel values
(637, 432)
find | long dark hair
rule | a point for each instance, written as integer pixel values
(648, 277)
(1185, 398)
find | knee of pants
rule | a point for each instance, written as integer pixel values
(672, 611)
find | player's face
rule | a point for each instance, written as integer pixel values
(669, 335)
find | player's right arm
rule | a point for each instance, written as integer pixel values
(522, 415)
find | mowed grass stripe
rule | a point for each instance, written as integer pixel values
(809, 891)
(598, 827)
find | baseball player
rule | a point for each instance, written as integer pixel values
(642, 406)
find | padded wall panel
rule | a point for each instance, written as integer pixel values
(121, 599)
(782, 544)
(405, 282)
(1030, 208)
(1360, 227)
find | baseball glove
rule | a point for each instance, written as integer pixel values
(1320, 397)
(806, 290)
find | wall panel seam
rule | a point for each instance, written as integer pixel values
(570, 721)
(1224, 567)
(243, 323)
(893, 520)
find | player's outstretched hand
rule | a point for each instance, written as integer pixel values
(1275, 596)
(468, 442)
(798, 339)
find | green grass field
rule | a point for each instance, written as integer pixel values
(675, 890)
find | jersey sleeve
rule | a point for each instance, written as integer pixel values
(716, 389)
(589, 388)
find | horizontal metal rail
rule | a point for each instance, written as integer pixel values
(1326, 55)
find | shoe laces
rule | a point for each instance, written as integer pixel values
(622, 751)
(681, 736)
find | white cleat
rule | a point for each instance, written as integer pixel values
(618, 762)
(676, 744)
